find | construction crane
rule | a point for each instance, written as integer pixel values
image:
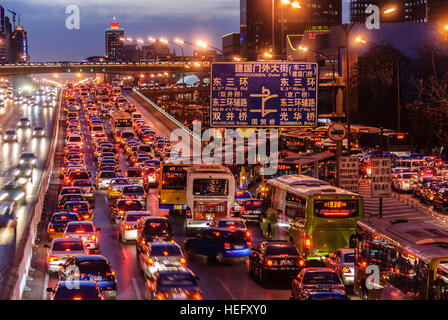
(14, 14)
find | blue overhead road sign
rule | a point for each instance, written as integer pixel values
(263, 94)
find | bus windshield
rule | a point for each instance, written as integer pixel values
(174, 180)
(211, 187)
(336, 209)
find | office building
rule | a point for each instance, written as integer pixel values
(19, 46)
(403, 10)
(231, 45)
(114, 46)
(257, 28)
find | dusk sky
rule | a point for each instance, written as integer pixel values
(49, 40)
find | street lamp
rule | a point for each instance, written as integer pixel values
(390, 10)
(395, 56)
(294, 4)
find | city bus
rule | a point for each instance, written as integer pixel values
(411, 259)
(120, 121)
(173, 186)
(315, 216)
(210, 194)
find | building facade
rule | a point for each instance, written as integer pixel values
(261, 19)
(231, 45)
(405, 10)
(114, 46)
(19, 46)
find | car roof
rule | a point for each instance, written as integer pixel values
(67, 240)
(82, 222)
(82, 283)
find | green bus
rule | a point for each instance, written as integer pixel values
(314, 215)
(411, 259)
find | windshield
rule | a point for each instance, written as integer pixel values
(135, 217)
(93, 267)
(130, 205)
(177, 280)
(133, 189)
(174, 180)
(79, 227)
(83, 293)
(278, 249)
(108, 174)
(349, 257)
(64, 218)
(252, 204)
(157, 227)
(320, 278)
(82, 183)
(134, 173)
(167, 251)
(68, 246)
(231, 224)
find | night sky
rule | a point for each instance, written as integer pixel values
(191, 20)
(49, 40)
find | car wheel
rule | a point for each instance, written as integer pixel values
(251, 269)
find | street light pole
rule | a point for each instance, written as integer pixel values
(347, 29)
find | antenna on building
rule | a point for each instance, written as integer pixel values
(14, 17)
(19, 21)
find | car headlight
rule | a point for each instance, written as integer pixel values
(17, 172)
(22, 161)
(28, 172)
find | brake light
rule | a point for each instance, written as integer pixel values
(160, 297)
(92, 237)
(86, 216)
(127, 227)
(150, 261)
(68, 250)
(77, 298)
(346, 270)
(165, 253)
(307, 243)
(247, 234)
(197, 296)
(53, 258)
(51, 230)
(227, 246)
(301, 263)
(183, 261)
(269, 262)
(188, 213)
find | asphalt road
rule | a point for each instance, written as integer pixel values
(9, 155)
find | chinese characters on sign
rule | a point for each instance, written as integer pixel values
(381, 177)
(263, 94)
(349, 174)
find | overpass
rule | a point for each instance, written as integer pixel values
(102, 67)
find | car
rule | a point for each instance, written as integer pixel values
(229, 223)
(323, 295)
(153, 229)
(343, 262)
(38, 132)
(69, 197)
(59, 220)
(274, 258)
(61, 249)
(127, 225)
(118, 209)
(13, 192)
(104, 178)
(84, 290)
(220, 244)
(240, 197)
(440, 200)
(87, 189)
(135, 192)
(404, 182)
(10, 135)
(23, 173)
(86, 231)
(8, 217)
(150, 177)
(77, 173)
(24, 123)
(69, 190)
(82, 208)
(75, 138)
(135, 176)
(316, 279)
(173, 284)
(156, 256)
(94, 268)
(252, 210)
(115, 186)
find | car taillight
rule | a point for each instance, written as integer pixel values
(51, 230)
(227, 246)
(92, 237)
(86, 216)
(445, 200)
(346, 270)
(160, 296)
(127, 227)
(301, 263)
(53, 258)
(247, 234)
(188, 213)
(308, 243)
(269, 262)
(150, 261)
(197, 296)
(183, 261)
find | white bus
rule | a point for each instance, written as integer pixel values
(210, 194)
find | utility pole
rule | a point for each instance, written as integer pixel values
(347, 29)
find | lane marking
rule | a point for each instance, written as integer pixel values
(137, 290)
(125, 254)
(226, 288)
(44, 291)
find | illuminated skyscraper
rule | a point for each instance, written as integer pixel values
(114, 46)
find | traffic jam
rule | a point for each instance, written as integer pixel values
(306, 230)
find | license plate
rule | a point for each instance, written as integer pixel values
(179, 296)
(285, 263)
(324, 286)
(177, 207)
(97, 278)
(238, 247)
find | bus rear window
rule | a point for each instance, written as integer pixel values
(211, 187)
(336, 209)
(174, 180)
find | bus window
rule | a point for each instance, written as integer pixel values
(295, 206)
(211, 187)
(174, 180)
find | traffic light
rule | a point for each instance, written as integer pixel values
(104, 70)
(69, 70)
(80, 70)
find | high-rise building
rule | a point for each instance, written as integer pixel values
(257, 27)
(404, 10)
(231, 45)
(114, 46)
(19, 46)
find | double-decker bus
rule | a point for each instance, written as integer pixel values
(315, 216)
(210, 194)
(120, 121)
(173, 186)
(410, 259)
